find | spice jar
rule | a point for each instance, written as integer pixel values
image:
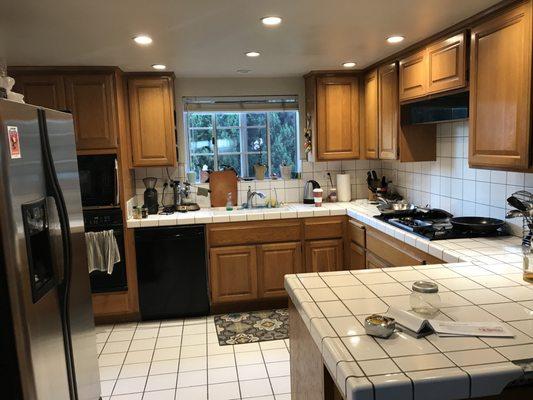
(137, 213)
(425, 298)
(144, 212)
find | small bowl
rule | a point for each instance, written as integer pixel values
(379, 326)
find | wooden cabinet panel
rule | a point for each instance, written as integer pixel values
(324, 255)
(372, 261)
(446, 64)
(233, 273)
(357, 233)
(91, 100)
(388, 112)
(357, 257)
(337, 118)
(413, 76)
(500, 91)
(371, 115)
(254, 232)
(324, 227)
(274, 262)
(151, 104)
(42, 90)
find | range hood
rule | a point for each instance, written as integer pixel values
(441, 109)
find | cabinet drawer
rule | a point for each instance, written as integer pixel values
(324, 228)
(356, 232)
(254, 232)
(372, 261)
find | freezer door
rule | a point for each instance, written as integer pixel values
(28, 227)
(60, 130)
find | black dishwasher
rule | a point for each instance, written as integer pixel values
(172, 272)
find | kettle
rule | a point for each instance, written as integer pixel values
(308, 191)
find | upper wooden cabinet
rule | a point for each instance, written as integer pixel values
(332, 103)
(42, 90)
(371, 115)
(437, 68)
(446, 64)
(500, 91)
(151, 105)
(381, 109)
(91, 99)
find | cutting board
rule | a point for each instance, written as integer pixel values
(221, 183)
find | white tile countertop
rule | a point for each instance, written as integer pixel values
(489, 287)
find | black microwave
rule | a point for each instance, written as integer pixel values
(99, 180)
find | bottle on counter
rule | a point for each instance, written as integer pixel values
(229, 202)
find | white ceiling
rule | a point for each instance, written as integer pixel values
(208, 38)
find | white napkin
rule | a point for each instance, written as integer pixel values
(102, 251)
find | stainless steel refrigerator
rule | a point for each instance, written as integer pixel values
(47, 333)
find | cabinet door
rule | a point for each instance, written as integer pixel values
(388, 111)
(42, 90)
(413, 76)
(371, 115)
(446, 64)
(91, 99)
(373, 261)
(274, 262)
(357, 257)
(337, 118)
(500, 91)
(324, 255)
(153, 137)
(233, 273)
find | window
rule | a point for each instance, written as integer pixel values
(242, 139)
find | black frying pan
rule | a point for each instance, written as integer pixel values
(477, 224)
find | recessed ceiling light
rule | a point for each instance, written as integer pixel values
(271, 21)
(253, 54)
(244, 71)
(348, 64)
(142, 39)
(395, 39)
(159, 66)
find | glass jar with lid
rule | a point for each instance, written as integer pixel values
(425, 298)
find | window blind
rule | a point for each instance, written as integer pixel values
(247, 103)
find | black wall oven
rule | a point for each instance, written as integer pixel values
(98, 180)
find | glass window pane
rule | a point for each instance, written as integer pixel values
(227, 120)
(256, 139)
(283, 139)
(201, 140)
(228, 140)
(255, 159)
(256, 119)
(200, 120)
(231, 160)
(198, 161)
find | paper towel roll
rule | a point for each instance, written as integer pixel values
(344, 187)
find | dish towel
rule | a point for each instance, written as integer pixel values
(102, 251)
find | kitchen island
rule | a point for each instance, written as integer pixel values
(332, 357)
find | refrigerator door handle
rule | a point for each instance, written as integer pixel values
(57, 240)
(55, 192)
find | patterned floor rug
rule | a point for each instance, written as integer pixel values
(254, 326)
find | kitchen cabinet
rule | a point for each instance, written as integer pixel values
(500, 91)
(332, 104)
(324, 255)
(233, 273)
(274, 261)
(91, 99)
(373, 261)
(371, 115)
(45, 90)
(438, 68)
(389, 109)
(151, 106)
(357, 257)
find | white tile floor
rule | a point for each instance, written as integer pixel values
(182, 360)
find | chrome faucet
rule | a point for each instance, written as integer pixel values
(250, 196)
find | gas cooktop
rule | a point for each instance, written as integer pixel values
(434, 224)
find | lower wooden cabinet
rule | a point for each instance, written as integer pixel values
(324, 255)
(357, 257)
(274, 261)
(233, 273)
(373, 261)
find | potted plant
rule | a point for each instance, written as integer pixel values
(259, 167)
(286, 170)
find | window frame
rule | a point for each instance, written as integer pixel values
(244, 153)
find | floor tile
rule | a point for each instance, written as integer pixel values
(255, 388)
(160, 395)
(164, 367)
(253, 371)
(170, 331)
(215, 348)
(131, 396)
(193, 351)
(251, 357)
(170, 353)
(142, 344)
(192, 378)
(192, 364)
(192, 393)
(106, 360)
(194, 329)
(275, 355)
(222, 360)
(134, 357)
(146, 333)
(221, 375)
(129, 385)
(281, 385)
(134, 370)
(168, 341)
(106, 387)
(118, 336)
(116, 347)
(272, 344)
(276, 369)
(191, 340)
(108, 373)
(224, 391)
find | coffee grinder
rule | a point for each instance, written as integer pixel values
(150, 195)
